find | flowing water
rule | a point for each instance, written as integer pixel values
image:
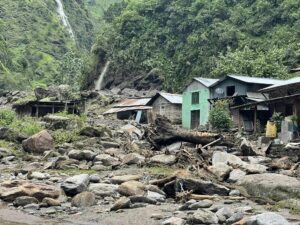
(64, 18)
(99, 82)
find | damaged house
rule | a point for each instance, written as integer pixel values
(241, 90)
(132, 109)
(168, 105)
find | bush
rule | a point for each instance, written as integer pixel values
(7, 117)
(27, 125)
(219, 116)
(62, 136)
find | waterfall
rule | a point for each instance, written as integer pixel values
(98, 85)
(64, 18)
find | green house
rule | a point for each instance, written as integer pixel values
(195, 104)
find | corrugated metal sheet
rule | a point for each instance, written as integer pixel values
(206, 81)
(124, 109)
(256, 80)
(293, 81)
(256, 95)
(172, 98)
(133, 102)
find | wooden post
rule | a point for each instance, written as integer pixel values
(53, 108)
(255, 119)
(37, 111)
(239, 122)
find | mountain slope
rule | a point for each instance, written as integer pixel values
(38, 41)
(181, 39)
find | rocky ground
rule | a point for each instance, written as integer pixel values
(112, 175)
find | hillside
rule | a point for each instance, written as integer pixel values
(181, 39)
(39, 44)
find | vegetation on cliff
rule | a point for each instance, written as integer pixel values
(183, 39)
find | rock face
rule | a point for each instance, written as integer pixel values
(75, 184)
(163, 159)
(38, 143)
(274, 186)
(84, 199)
(131, 188)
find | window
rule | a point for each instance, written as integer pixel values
(230, 90)
(195, 98)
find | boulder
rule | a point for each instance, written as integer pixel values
(10, 190)
(273, 186)
(84, 199)
(91, 132)
(134, 132)
(38, 143)
(109, 144)
(124, 178)
(122, 203)
(51, 202)
(76, 184)
(268, 218)
(5, 152)
(173, 221)
(133, 158)
(24, 200)
(37, 175)
(199, 186)
(246, 148)
(156, 196)
(232, 160)
(203, 216)
(57, 122)
(107, 160)
(220, 170)
(163, 159)
(201, 204)
(82, 155)
(282, 163)
(131, 188)
(236, 175)
(103, 190)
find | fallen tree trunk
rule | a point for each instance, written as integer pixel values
(163, 133)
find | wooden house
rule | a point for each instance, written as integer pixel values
(240, 90)
(168, 105)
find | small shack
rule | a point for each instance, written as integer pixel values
(168, 105)
(132, 109)
(40, 108)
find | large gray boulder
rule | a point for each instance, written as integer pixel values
(203, 216)
(269, 185)
(38, 143)
(163, 159)
(82, 154)
(103, 190)
(268, 218)
(84, 199)
(76, 184)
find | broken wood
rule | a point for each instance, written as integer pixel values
(211, 143)
(163, 181)
(163, 133)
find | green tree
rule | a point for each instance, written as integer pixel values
(219, 116)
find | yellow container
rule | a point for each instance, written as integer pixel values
(271, 130)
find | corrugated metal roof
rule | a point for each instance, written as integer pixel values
(295, 80)
(256, 95)
(133, 102)
(124, 109)
(295, 70)
(172, 98)
(256, 80)
(206, 81)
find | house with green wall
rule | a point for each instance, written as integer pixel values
(195, 104)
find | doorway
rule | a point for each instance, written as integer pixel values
(195, 119)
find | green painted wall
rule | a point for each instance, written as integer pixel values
(203, 106)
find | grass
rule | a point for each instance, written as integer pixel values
(12, 147)
(74, 171)
(292, 205)
(160, 170)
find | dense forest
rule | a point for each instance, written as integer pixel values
(173, 40)
(182, 39)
